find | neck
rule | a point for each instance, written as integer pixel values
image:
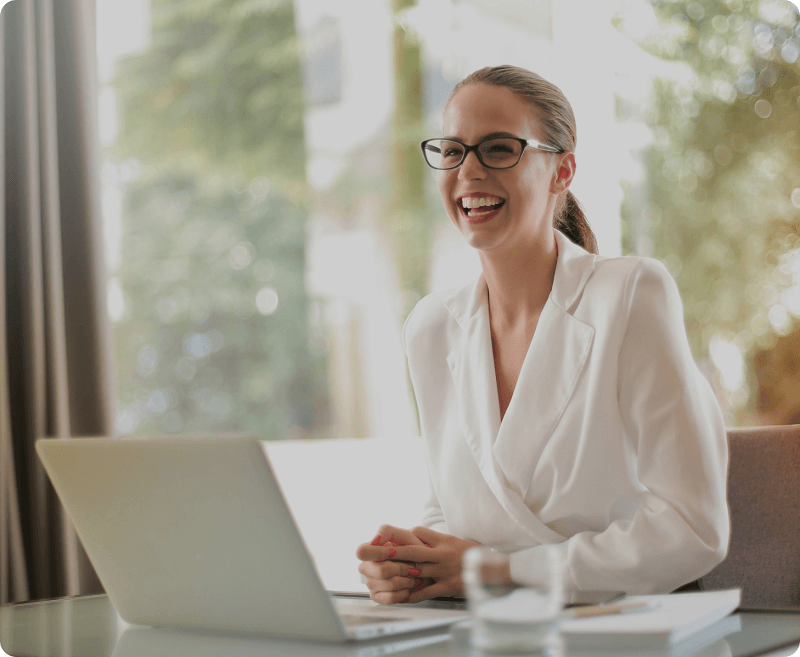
(520, 282)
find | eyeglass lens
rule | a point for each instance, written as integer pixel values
(493, 153)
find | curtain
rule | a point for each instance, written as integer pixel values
(55, 360)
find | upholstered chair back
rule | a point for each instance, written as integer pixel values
(764, 500)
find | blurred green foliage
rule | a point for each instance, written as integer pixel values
(412, 219)
(215, 335)
(724, 161)
(219, 88)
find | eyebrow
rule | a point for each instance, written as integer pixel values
(493, 135)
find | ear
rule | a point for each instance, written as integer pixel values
(564, 173)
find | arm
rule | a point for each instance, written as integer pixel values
(398, 577)
(669, 414)
(433, 518)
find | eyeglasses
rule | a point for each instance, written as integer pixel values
(496, 153)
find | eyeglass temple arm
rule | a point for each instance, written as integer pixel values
(542, 147)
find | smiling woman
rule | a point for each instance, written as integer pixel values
(558, 399)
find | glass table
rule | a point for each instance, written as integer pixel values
(89, 626)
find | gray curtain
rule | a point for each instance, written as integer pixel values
(55, 375)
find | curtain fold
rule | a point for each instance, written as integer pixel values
(55, 376)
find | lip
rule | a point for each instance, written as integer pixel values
(483, 218)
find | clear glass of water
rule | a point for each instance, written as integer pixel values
(509, 618)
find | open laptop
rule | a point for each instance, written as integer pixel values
(195, 533)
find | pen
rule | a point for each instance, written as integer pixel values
(609, 610)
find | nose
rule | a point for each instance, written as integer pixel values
(471, 168)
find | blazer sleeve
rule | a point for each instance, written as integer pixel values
(433, 516)
(680, 528)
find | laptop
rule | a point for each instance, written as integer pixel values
(195, 533)
(138, 641)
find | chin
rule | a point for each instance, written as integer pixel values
(478, 241)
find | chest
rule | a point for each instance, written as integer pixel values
(509, 348)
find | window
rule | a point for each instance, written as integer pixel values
(270, 223)
(268, 226)
(715, 190)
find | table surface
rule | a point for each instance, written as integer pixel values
(89, 626)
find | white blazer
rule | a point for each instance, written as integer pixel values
(613, 444)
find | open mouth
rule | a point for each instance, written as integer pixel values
(480, 206)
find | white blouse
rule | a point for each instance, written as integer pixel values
(613, 444)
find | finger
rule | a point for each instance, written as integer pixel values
(428, 592)
(428, 536)
(422, 583)
(396, 535)
(384, 534)
(431, 570)
(367, 552)
(417, 554)
(387, 569)
(392, 584)
(389, 597)
(398, 567)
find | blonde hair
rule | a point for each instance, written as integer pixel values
(557, 121)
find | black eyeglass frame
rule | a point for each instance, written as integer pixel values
(525, 143)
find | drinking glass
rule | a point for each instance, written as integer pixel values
(508, 617)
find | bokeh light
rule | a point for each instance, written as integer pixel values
(267, 300)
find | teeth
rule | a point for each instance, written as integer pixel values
(478, 202)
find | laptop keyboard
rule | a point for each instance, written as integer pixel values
(363, 619)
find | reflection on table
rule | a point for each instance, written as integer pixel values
(90, 627)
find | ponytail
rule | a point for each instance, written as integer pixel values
(570, 220)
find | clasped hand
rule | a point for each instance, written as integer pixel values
(411, 565)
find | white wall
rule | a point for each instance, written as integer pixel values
(341, 491)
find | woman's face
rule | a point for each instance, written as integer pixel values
(527, 192)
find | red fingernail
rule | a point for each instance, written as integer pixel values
(376, 540)
(428, 545)
(392, 553)
(407, 600)
(414, 572)
(390, 544)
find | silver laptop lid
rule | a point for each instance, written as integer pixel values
(191, 532)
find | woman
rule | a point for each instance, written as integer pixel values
(557, 395)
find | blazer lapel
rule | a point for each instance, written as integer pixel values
(550, 371)
(471, 365)
(507, 453)
(549, 374)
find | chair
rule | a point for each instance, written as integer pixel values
(764, 500)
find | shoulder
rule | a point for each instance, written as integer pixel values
(631, 279)
(590, 283)
(624, 267)
(646, 308)
(622, 290)
(429, 313)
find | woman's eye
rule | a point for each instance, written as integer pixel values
(452, 152)
(498, 149)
